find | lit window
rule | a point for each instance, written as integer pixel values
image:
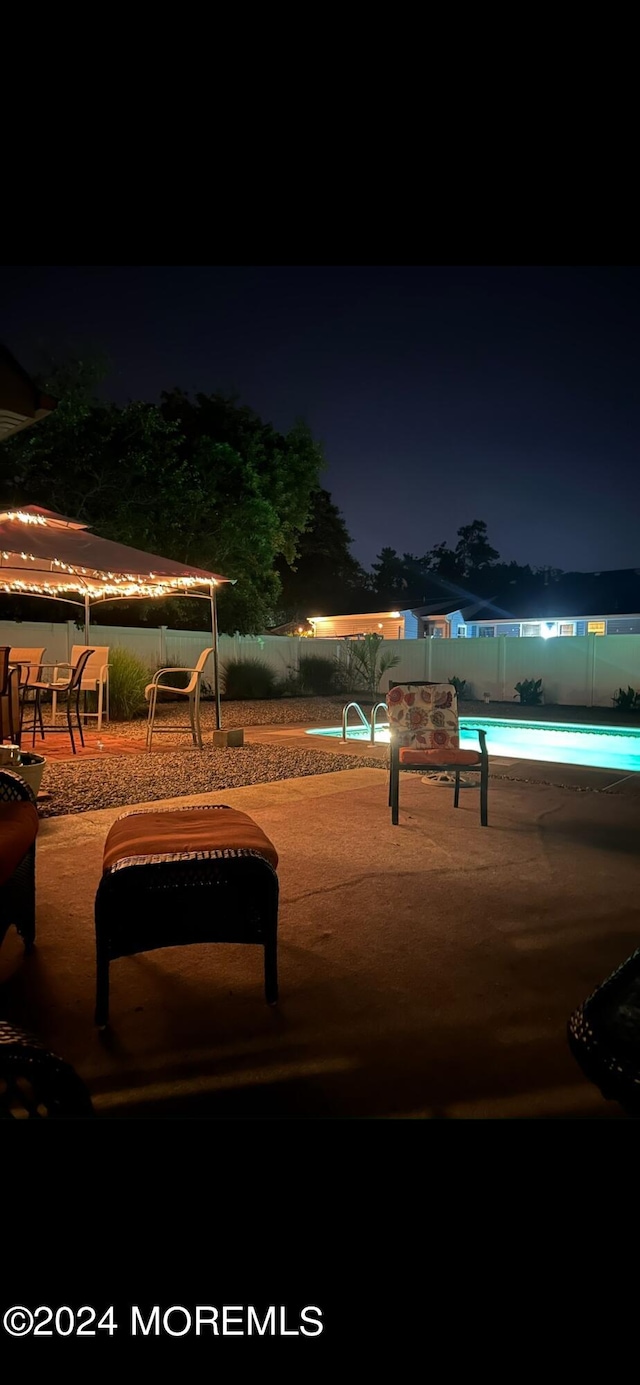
(567, 628)
(531, 629)
(596, 627)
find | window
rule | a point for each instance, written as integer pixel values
(531, 629)
(567, 627)
(462, 630)
(596, 627)
(486, 630)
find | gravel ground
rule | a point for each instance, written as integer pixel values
(310, 711)
(327, 711)
(115, 781)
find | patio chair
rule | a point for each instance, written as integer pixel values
(424, 735)
(95, 679)
(191, 692)
(69, 690)
(29, 665)
(9, 698)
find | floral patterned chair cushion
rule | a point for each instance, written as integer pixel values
(424, 724)
(424, 716)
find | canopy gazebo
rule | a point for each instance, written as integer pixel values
(45, 554)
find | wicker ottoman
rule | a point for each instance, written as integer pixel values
(181, 876)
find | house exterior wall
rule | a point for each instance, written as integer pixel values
(386, 623)
(587, 625)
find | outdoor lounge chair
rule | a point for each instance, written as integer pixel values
(9, 698)
(69, 690)
(29, 665)
(192, 692)
(424, 735)
(95, 679)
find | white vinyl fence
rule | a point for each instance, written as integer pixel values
(582, 671)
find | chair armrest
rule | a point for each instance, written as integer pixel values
(14, 789)
(482, 737)
(159, 672)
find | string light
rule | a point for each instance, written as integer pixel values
(24, 519)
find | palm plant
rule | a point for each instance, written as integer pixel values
(368, 663)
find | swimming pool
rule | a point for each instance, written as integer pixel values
(565, 743)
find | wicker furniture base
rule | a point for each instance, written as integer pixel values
(604, 1036)
(217, 885)
(35, 1083)
(18, 832)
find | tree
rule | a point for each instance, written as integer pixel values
(203, 482)
(389, 580)
(325, 576)
(473, 550)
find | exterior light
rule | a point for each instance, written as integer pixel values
(549, 630)
(380, 624)
(394, 615)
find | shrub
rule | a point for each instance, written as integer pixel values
(247, 679)
(366, 664)
(318, 675)
(128, 678)
(459, 684)
(530, 691)
(628, 701)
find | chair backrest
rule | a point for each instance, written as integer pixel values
(30, 661)
(78, 669)
(203, 659)
(424, 715)
(94, 665)
(4, 668)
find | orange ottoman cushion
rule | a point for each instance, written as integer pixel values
(181, 830)
(439, 757)
(19, 824)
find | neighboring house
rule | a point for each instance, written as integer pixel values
(436, 621)
(575, 603)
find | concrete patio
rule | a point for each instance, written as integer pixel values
(425, 971)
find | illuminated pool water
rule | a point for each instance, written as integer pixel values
(566, 743)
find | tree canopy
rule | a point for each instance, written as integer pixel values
(203, 481)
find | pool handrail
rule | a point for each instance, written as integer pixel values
(345, 713)
(372, 724)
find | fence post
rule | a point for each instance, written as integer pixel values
(428, 659)
(592, 667)
(71, 626)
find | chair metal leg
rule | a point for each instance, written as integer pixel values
(70, 725)
(484, 794)
(78, 717)
(152, 716)
(395, 789)
(192, 720)
(456, 791)
(271, 969)
(100, 705)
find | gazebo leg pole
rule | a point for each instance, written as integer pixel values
(216, 661)
(87, 618)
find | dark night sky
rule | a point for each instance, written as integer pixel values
(440, 394)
